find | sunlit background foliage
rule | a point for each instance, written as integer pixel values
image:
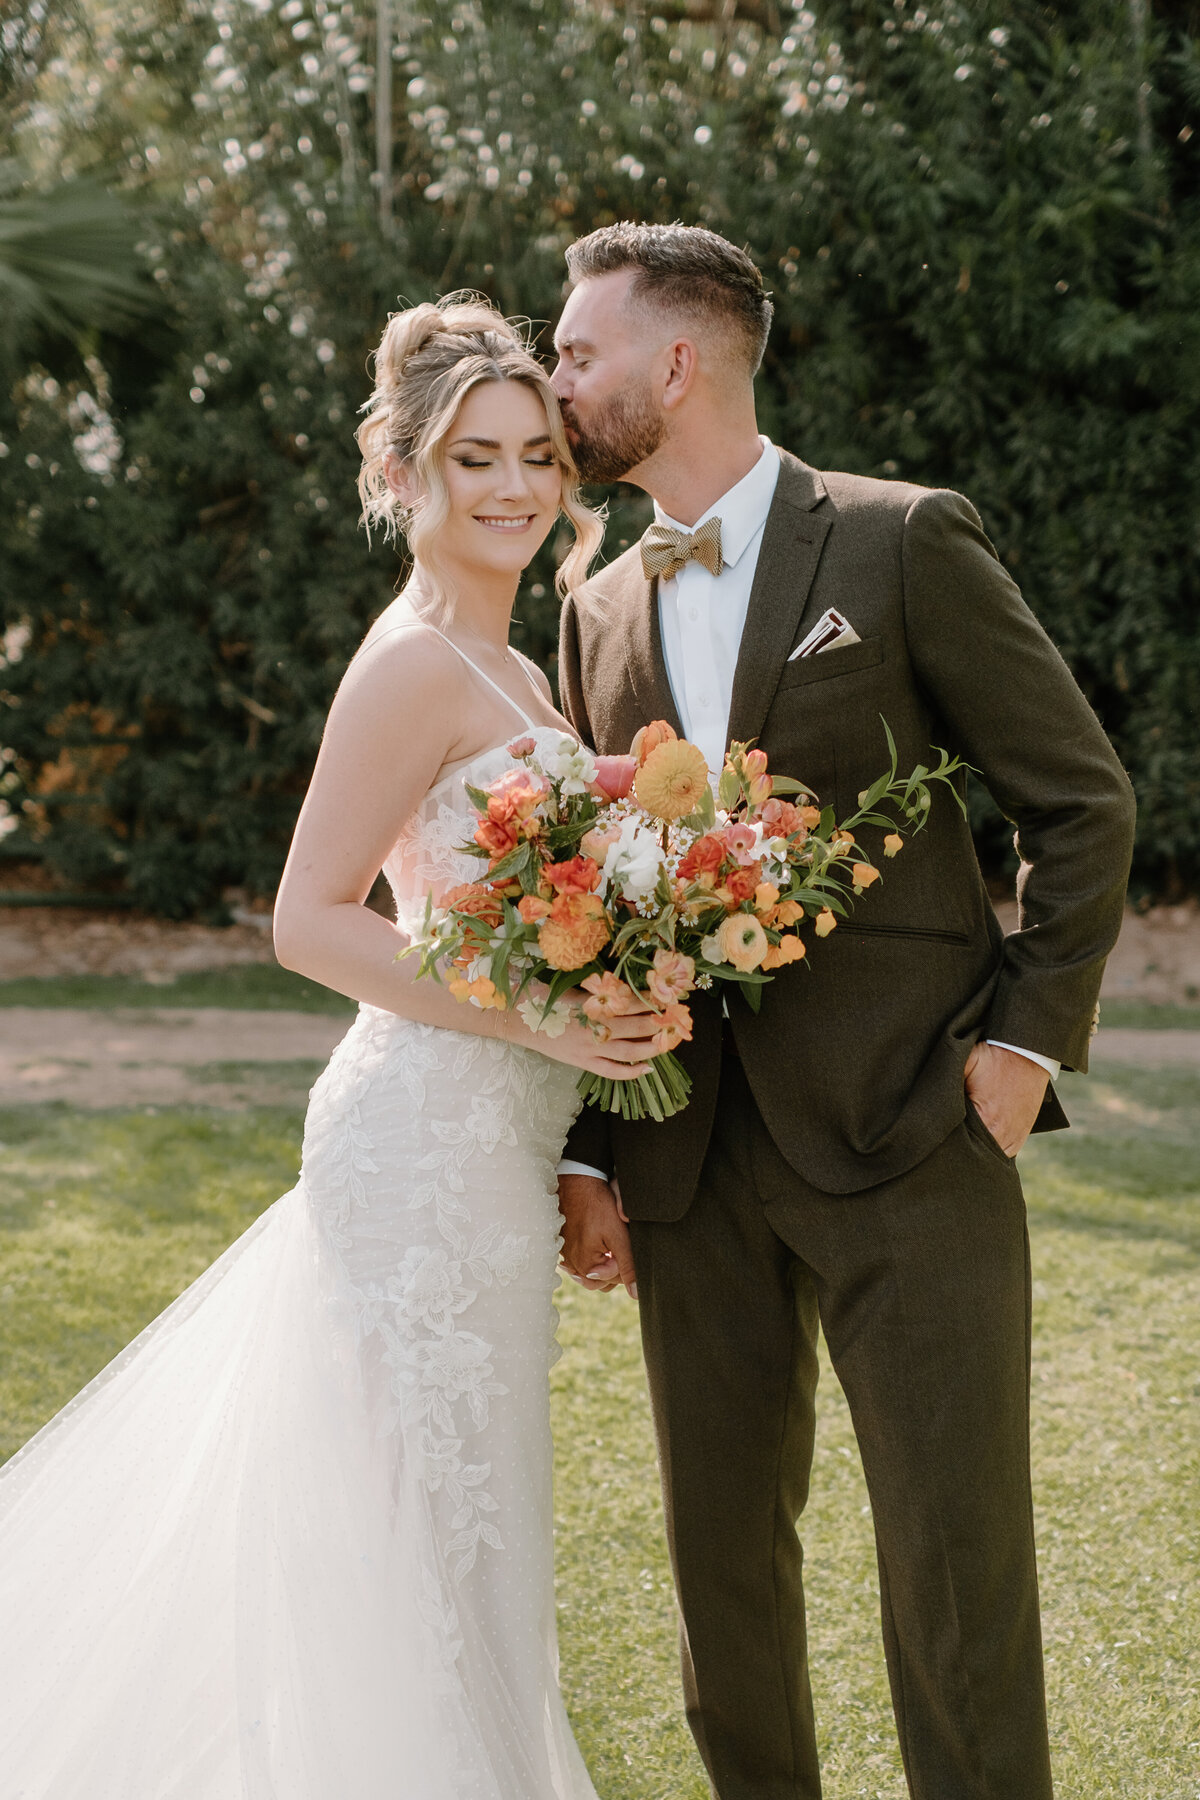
(981, 225)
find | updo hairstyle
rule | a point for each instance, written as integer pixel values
(428, 360)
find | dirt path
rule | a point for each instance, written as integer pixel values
(1157, 959)
(177, 1056)
(166, 1057)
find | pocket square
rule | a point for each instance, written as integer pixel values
(830, 632)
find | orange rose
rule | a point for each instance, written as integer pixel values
(575, 932)
(477, 902)
(496, 838)
(779, 818)
(742, 884)
(579, 875)
(704, 858)
(515, 796)
(532, 908)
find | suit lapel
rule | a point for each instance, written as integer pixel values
(644, 651)
(787, 563)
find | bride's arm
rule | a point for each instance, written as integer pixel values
(392, 725)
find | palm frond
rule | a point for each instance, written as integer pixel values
(68, 260)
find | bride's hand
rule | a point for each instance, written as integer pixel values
(619, 1049)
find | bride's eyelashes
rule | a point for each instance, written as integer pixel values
(531, 462)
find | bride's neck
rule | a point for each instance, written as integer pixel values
(482, 603)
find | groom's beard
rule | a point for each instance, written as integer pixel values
(620, 436)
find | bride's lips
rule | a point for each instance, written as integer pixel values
(498, 521)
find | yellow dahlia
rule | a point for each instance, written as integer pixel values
(575, 932)
(672, 779)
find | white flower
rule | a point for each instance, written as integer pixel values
(570, 764)
(429, 1288)
(509, 1258)
(489, 1122)
(552, 1025)
(438, 1458)
(633, 862)
(710, 948)
(457, 1364)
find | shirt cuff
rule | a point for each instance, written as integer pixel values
(1052, 1068)
(567, 1167)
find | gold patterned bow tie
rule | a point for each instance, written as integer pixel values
(665, 550)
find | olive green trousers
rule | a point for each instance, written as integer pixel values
(922, 1288)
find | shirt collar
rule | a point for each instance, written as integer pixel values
(743, 510)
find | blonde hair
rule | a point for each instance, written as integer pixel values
(428, 360)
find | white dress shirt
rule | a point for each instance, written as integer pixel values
(702, 617)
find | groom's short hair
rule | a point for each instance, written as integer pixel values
(682, 268)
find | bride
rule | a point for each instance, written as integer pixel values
(295, 1543)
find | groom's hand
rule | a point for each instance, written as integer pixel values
(596, 1248)
(1006, 1091)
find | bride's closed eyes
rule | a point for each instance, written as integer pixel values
(484, 462)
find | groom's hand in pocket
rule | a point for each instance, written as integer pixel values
(1006, 1091)
(596, 1248)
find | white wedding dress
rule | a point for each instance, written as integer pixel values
(295, 1542)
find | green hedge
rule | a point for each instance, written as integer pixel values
(983, 238)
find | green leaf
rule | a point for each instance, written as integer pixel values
(512, 864)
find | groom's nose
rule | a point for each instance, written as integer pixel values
(560, 380)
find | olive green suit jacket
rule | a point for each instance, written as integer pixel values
(856, 1057)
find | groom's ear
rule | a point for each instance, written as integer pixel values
(681, 364)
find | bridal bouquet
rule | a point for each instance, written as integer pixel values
(613, 881)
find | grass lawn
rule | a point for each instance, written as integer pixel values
(103, 1217)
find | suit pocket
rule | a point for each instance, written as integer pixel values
(920, 933)
(828, 664)
(978, 1129)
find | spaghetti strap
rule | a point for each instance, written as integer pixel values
(494, 685)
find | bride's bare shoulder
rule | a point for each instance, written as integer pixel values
(403, 657)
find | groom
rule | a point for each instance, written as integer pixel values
(847, 1156)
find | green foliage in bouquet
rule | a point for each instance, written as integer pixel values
(617, 882)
